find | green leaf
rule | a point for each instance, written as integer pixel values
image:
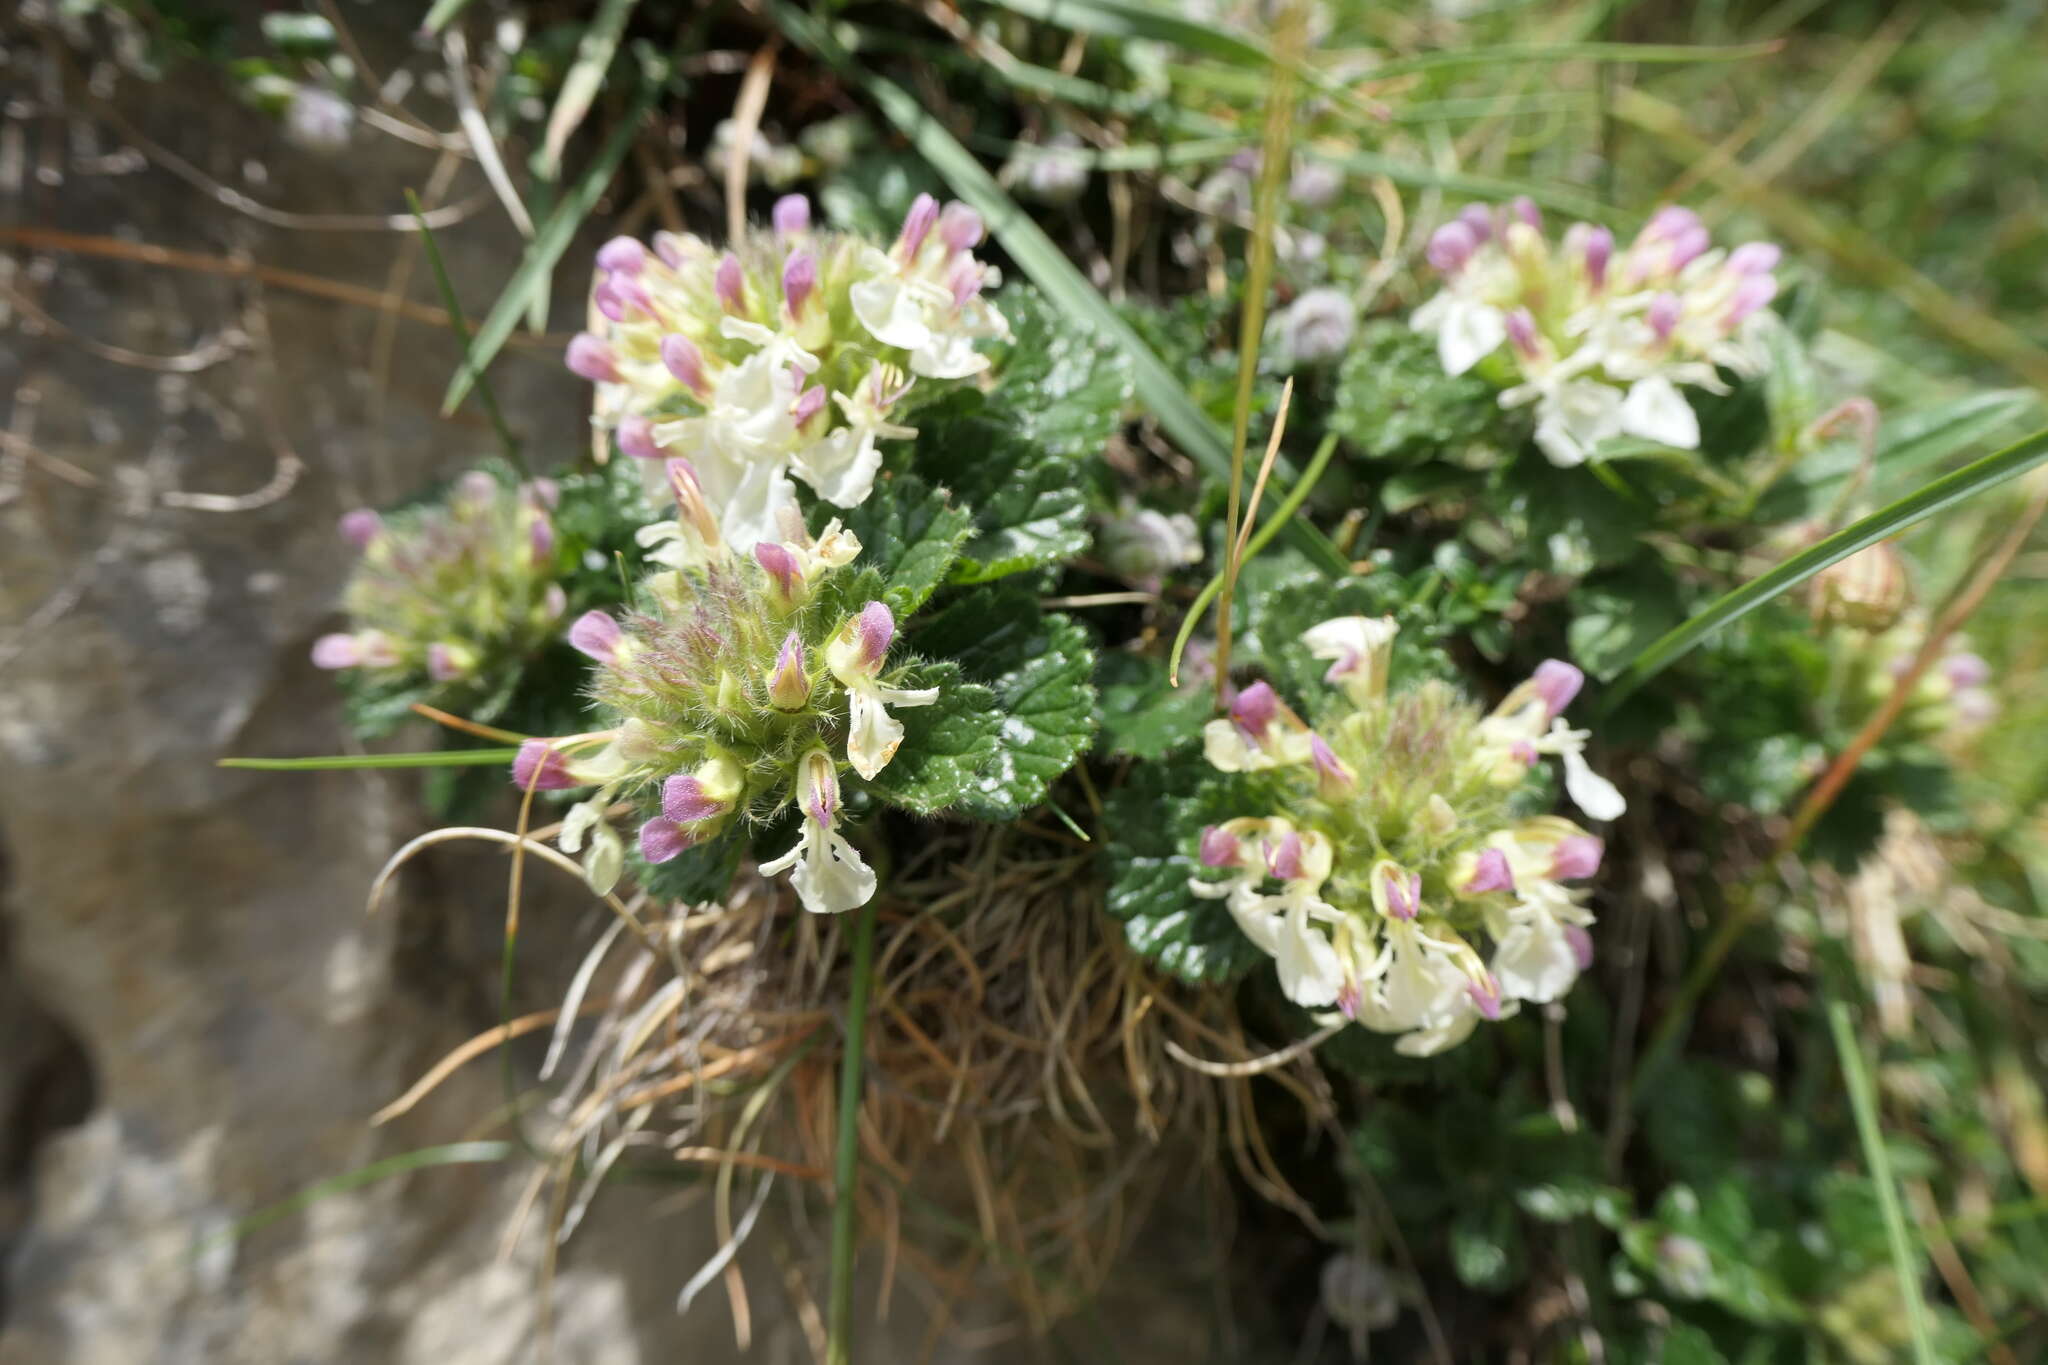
(911, 533)
(1142, 715)
(702, 873)
(1394, 402)
(549, 242)
(947, 746)
(1616, 614)
(1038, 665)
(1942, 493)
(1154, 822)
(1045, 263)
(1059, 382)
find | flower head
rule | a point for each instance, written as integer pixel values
(1599, 341)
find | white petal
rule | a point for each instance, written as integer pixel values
(1535, 960)
(751, 511)
(874, 734)
(1441, 1036)
(947, 356)
(1656, 411)
(908, 696)
(1223, 744)
(886, 307)
(841, 466)
(788, 860)
(831, 876)
(1574, 417)
(1310, 972)
(1589, 791)
(1470, 333)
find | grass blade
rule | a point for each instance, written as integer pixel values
(443, 14)
(594, 52)
(1047, 266)
(1506, 54)
(460, 325)
(437, 758)
(1863, 1100)
(452, 1154)
(1121, 19)
(1882, 524)
(546, 249)
(846, 1160)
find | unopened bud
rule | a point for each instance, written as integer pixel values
(683, 360)
(1490, 872)
(789, 685)
(448, 662)
(731, 283)
(538, 767)
(662, 839)
(799, 280)
(622, 254)
(1219, 847)
(1867, 591)
(1557, 682)
(360, 527)
(1451, 245)
(590, 358)
(597, 635)
(636, 438)
(960, 227)
(791, 215)
(917, 225)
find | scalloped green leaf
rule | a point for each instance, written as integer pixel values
(1061, 387)
(947, 746)
(1154, 822)
(1038, 665)
(910, 532)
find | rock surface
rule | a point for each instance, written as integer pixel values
(198, 1016)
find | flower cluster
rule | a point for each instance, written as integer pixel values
(794, 351)
(1395, 843)
(1598, 339)
(737, 692)
(453, 590)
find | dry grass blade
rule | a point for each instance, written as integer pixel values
(746, 125)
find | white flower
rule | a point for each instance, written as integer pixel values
(1574, 417)
(855, 657)
(1467, 331)
(1656, 411)
(1358, 648)
(827, 871)
(1536, 958)
(1260, 733)
(841, 464)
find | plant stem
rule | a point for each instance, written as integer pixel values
(460, 326)
(838, 1350)
(1863, 1100)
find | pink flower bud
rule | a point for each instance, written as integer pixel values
(917, 225)
(1599, 251)
(808, 404)
(965, 280)
(377, 650)
(781, 565)
(539, 768)
(1576, 856)
(445, 663)
(876, 627)
(477, 488)
(1966, 670)
(636, 438)
(789, 686)
(1582, 945)
(1283, 859)
(1524, 208)
(662, 839)
(1451, 245)
(609, 302)
(624, 255)
(1754, 258)
(596, 634)
(1663, 315)
(1404, 894)
(1333, 777)
(1753, 293)
(820, 782)
(1255, 709)
(1479, 218)
(1557, 682)
(960, 227)
(1689, 246)
(684, 800)
(682, 359)
(360, 527)
(1669, 223)
(692, 510)
(543, 493)
(791, 215)
(1485, 993)
(1219, 848)
(1522, 332)
(669, 248)
(540, 535)
(1491, 873)
(731, 283)
(590, 358)
(799, 279)
(336, 651)
(554, 601)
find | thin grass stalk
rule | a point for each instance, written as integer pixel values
(846, 1165)
(459, 325)
(1863, 1101)
(1275, 152)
